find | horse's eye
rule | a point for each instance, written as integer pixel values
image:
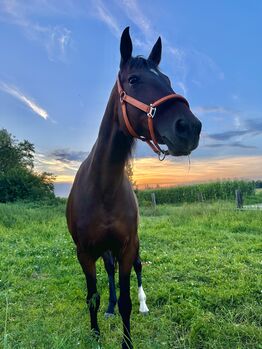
(132, 80)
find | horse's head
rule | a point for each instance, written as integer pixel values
(174, 123)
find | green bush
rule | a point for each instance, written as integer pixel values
(22, 184)
(18, 180)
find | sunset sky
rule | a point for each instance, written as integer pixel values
(59, 61)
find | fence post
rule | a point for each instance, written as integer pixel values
(200, 196)
(153, 197)
(239, 199)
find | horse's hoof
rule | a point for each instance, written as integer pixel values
(144, 313)
(108, 315)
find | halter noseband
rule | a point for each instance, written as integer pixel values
(150, 111)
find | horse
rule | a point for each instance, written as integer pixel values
(102, 210)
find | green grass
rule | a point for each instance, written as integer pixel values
(254, 199)
(202, 277)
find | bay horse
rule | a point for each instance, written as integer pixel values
(102, 211)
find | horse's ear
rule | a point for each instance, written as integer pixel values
(155, 54)
(126, 47)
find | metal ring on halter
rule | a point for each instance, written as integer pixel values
(152, 112)
(122, 96)
(163, 156)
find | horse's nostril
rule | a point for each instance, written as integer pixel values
(181, 126)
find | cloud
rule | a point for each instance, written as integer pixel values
(182, 86)
(187, 64)
(204, 65)
(55, 39)
(192, 66)
(223, 136)
(231, 145)
(63, 163)
(254, 125)
(243, 127)
(149, 171)
(56, 43)
(28, 101)
(251, 127)
(214, 109)
(67, 155)
(58, 167)
(135, 14)
(104, 15)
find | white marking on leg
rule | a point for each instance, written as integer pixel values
(142, 299)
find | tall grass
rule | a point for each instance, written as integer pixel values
(221, 190)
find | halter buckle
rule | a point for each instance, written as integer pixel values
(152, 111)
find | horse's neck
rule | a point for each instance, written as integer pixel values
(112, 148)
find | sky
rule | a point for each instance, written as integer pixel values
(59, 61)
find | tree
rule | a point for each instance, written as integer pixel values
(129, 172)
(15, 154)
(18, 180)
(258, 184)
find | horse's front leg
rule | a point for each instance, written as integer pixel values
(93, 299)
(124, 301)
(110, 269)
(141, 294)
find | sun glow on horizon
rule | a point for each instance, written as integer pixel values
(150, 172)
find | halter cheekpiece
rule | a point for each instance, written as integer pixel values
(150, 111)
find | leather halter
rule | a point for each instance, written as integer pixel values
(150, 111)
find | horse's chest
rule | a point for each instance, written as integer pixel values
(110, 220)
(106, 230)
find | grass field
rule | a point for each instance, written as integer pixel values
(202, 277)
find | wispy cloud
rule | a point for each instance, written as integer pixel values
(111, 20)
(220, 111)
(254, 125)
(214, 109)
(250, 127)
(223, 136)
(136, 15)
(187, 64)
(54, 39)
(28, 101)
(104, 15)
(231, 145)
(56, 43)
(183, 87)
